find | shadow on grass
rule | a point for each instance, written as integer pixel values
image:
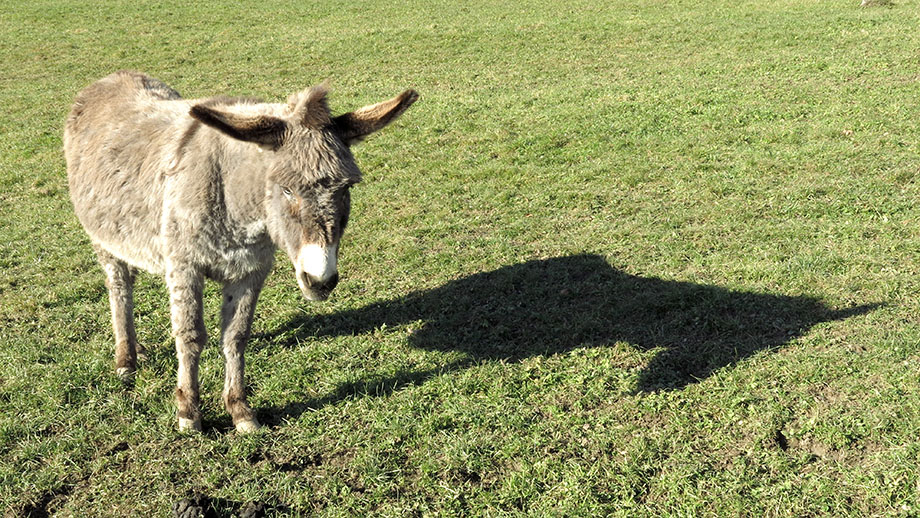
(556, 305)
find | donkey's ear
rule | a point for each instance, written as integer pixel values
(264, 130)
(309, 107)
(356, 126)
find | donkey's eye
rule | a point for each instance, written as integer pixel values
(287, 192)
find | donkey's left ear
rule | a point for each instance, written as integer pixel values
(356, 126)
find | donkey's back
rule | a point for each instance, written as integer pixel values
(116, 144)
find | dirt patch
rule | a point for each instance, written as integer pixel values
(47, 503)
(855, 454)
(201, 506)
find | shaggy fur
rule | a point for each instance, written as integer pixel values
(191, 189)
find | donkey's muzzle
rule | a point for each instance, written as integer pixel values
(316, 270)
(315, 289)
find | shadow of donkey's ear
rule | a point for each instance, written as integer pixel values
(843, 314)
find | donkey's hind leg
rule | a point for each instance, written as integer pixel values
(119, 279)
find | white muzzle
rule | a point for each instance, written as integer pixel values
(316, 266)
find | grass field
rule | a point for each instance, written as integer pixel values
(622, 258)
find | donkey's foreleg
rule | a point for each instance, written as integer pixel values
(185, 293)
(236, 323)
(119, 279)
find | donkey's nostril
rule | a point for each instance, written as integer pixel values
(314, 283)
(332, 282)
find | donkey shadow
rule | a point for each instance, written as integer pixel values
(543, 307)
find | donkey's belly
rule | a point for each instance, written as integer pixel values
(143, 256)
(121, 213)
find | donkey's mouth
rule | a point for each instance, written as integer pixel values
(316, 295)
(314, 289)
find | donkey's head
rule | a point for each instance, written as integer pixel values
(310, 170)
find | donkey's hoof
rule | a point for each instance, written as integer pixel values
(125, 373)
(247, 426)
(189, 425)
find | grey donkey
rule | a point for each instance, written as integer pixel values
(210, 188)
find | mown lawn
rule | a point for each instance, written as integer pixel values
(622, 258)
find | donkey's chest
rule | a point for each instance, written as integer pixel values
(227, 252)
(234, 263)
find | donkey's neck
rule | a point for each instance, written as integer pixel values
(243, 178)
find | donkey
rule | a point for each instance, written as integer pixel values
(210, 188)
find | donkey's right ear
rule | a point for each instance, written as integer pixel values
(264, 130)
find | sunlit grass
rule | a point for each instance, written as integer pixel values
(641, 258)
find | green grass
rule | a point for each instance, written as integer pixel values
(630, 258)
